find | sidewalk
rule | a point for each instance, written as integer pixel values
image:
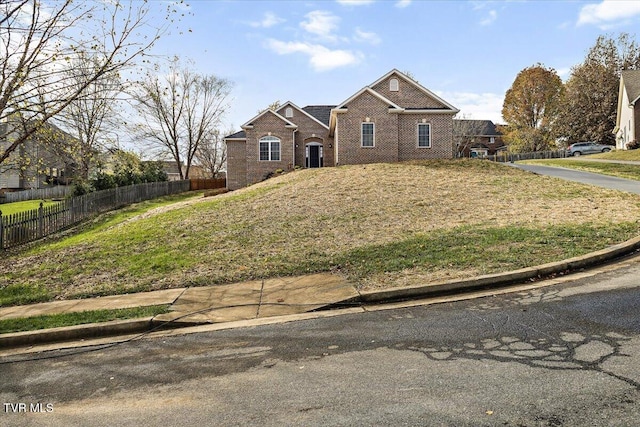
(271, 298)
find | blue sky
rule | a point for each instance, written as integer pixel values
(322, 52)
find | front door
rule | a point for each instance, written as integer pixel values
(314, 156)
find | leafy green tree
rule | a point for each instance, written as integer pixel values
(591, 100)
(531, 107)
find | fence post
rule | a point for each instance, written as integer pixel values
(40, 220)
(1, 232)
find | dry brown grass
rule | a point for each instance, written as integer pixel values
(277, 226)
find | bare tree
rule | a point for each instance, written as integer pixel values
(212, 153)
(39, 42)
(180, 111)
(90, 116)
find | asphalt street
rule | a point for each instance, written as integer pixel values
(563, 355)
(584, 177)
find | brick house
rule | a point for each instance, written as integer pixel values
(393, 119)
(628, 114)
(477, 138)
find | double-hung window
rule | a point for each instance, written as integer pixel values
(368, 132)
(269, 148)
(424, 135)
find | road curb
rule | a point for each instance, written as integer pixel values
(69, 333)
(498, 280)
(502, 279)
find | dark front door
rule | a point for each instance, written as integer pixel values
(314, 156)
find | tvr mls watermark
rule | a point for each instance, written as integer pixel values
(27, 407)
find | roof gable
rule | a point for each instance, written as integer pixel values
(631, 79)
(302, 110)
(367, 89)
(397, 74)
(287, 123)
(469, 127)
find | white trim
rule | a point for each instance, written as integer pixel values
(431, 111)
(305, 113)
(418, 135)
(373, 136)
(288, 123)
(271, 141)
(382, 98)
(417, 85)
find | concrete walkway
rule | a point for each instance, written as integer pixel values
(213, 304)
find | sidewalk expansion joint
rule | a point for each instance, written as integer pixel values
(260, 300)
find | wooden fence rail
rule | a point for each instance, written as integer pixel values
(23, 227)
(514, 157)
(208, 184)
(57, 192)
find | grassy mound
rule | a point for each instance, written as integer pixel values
(381, 225)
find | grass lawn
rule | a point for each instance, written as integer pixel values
(11, 208)
(633, 155)
(613, 169)
(380, 225)
(80, 318)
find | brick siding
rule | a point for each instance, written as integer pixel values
(349, 124)
(236, 165)
(441, 137)
(309, 130)
(256, 169)
(407, 96)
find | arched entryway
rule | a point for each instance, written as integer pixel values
(314, 154)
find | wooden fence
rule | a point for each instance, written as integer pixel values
(57, 192)
(208, 184)
(23, 227)
(514, 157)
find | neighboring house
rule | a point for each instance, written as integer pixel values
(628, 117)
(170, 167)
(393, 119)
(37, 163)
(477, 138)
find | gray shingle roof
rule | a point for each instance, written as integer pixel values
(237, 135)
(475, 127)
(321, 112)
(631, 79)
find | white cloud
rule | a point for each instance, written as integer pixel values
(366, 37)
(355, 2)
(490, 19)
(270, 19)
(564, 73)
(608, 13)
(479, 106)
(320, 57)
(403, 3)
(321, 23)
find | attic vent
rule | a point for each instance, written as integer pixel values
(288, 113)
(393, 85)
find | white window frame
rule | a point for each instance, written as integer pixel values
(288, 112)
(418, 135)
(373, 135)
(270, 140)
(394, 85)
